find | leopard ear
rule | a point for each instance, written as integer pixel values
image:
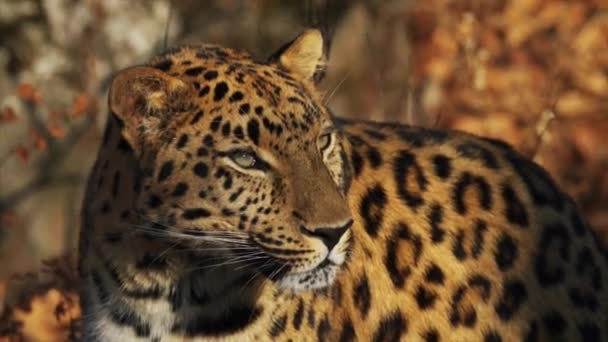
(305, 56)
(145, 100)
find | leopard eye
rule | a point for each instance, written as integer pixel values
(324, 141)
(244, 159)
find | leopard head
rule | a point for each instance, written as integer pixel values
(239, 159)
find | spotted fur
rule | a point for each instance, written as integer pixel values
(226, 204)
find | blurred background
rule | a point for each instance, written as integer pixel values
(531, 72)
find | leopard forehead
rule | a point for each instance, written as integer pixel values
(243, 98)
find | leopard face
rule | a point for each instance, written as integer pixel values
(238, 162)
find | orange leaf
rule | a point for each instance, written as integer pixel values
(28, 93)
(56, 131)
(80, 105)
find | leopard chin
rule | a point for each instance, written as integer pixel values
(320, 277)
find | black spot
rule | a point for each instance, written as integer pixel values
(419, 137)
(233, 197)
(164, 65)
(323, 329)
(357, 162)
(201, 169)
(355, 140)
(492, 336)
(215, 123)
(586, 266)
(505, 252)
(236, 96)
(210, 75)
(436, 218)
(165, 170)
(554, 241)
(196, 117)
(458, 246)
(443, 166)
(577, 223)
(194, 71)
(371, 209)
(480, 230)
(425, 298)
(195, 213)
(462, 312)
(208, 140)
(259, 110)
(589, 332)
(183, 140)
(227, 182)
(204, 91)
(391, 328)
(434, 274)
(253, 131)
(180, 189)
(362, 296)
(513, 297)
(403, 165)
(244, 109)
(374, 157)
(584, 299)
(482, 283)
(431, 335)
(278, 326)
(464, 182)
(154, 202)
(220, 91)
(555, 324)
(516, 211)
(375, 134)
(226, 129)
(238, 132)
(397, 273)
(472, 150)
(311, 316)
(298, 315)
(348, 332)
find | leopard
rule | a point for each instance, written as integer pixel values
(229, 203)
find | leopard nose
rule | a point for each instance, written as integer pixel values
(328, 235)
